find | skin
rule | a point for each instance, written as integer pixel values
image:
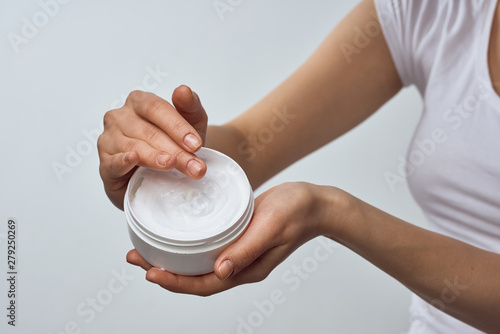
(327, 96)
(494, 51)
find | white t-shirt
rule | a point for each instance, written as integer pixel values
(453, 164)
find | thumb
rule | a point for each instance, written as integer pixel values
(242, 253)
(189, 106)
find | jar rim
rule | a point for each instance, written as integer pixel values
(242, 217)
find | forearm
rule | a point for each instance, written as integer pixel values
(461, 280)
(227, 139)
(323, 99)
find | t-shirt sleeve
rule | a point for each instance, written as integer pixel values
(408, 29)
(392, 16)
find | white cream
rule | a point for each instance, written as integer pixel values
(176, 207)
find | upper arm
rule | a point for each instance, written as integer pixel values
(348, 77)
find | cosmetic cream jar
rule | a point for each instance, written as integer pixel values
(183, 225)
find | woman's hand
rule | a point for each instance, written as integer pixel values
(148, 131)
(285, 217)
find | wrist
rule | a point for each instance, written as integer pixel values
(338, 212)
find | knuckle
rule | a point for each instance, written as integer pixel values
(101, 140)
(247, 256)
(202, 121)
(205, 293)
(203, 288)
(154, 109)
(204, 117)
(109, 118)
(301, 190)
(106, 170)
(128, 146)
(259, 276)
(136, 95)
(178, 126)
(180, 155)
(152, 135)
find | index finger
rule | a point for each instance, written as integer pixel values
(162, 114)
(209, 284)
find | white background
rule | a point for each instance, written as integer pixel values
(80, 63)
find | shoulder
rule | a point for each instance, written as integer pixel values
(418, 31)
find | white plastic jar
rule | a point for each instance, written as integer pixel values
(183, 225)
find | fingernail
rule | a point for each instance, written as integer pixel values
(192, 141)
(163, 159)
(125, 158)
(226, 269)
(194, 167)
